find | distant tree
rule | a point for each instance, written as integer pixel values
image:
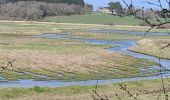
(90, 6)
(131, 10)
(115, 6)
(77, 2)
(159, 17)
(165, 13)
(33, 10)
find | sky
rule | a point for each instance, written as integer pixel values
(137, 3)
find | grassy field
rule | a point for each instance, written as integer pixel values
(146, 90)
(95, 18)
(153, 47)
(30, 28)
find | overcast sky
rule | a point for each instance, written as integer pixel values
(137, 3)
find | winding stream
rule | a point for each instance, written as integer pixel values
(123, 46)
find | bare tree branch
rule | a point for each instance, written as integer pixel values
(162, 16)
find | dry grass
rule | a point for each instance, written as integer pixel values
(103, 36)
(30, 28)
(152, 47)
(72, 59)
(165, 26)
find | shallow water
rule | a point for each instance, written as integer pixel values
(123, 46)
(31, 83)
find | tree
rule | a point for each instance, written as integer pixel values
(115, 6)
(33, 10)
(89, 6)
(160, 17)
(77, 2)
(131, 10)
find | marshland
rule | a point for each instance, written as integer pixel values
(77, 55)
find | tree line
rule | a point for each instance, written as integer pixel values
(35, 10)
(131, 10)
(77, 2)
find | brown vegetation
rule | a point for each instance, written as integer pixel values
(143, 24)
(165, 26)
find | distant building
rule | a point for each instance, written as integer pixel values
(107, 10)
(104, 10)
(114, 12)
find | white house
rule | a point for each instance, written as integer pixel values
(107, 10)
(104, 10)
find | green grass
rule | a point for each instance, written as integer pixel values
(95, 18)
(11, 75)
(30, 28)
(162, 20)
(147, 90)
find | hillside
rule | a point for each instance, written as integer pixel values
(95, 18)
